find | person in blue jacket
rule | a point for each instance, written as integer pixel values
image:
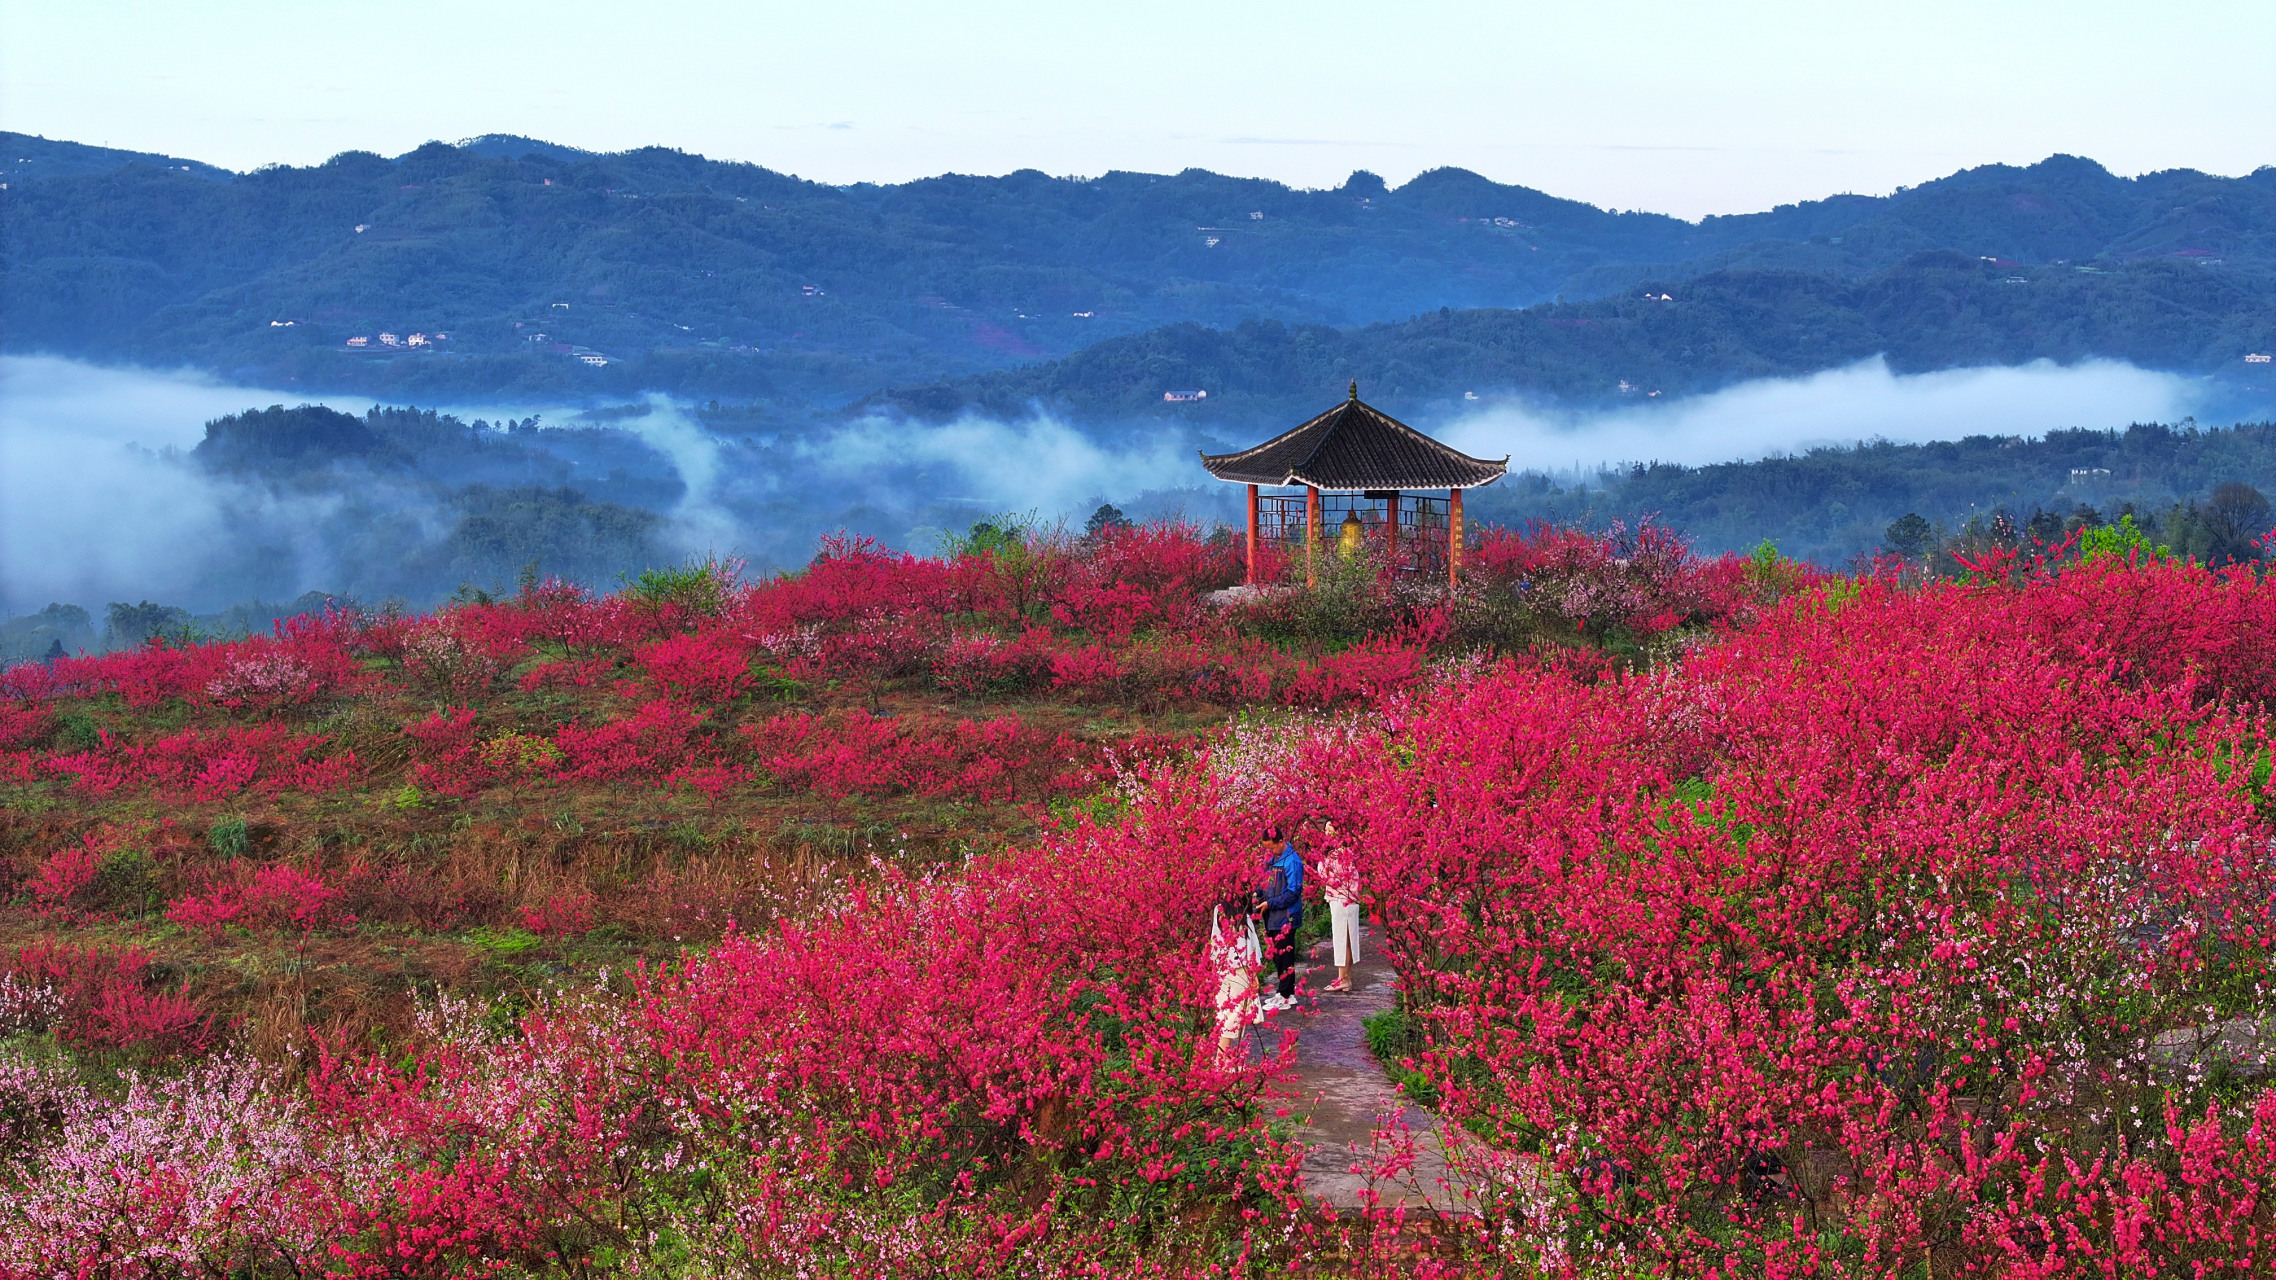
(1283, 901)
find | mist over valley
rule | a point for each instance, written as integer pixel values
(122, 485)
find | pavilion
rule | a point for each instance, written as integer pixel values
(1363, 461)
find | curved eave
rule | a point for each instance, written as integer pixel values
(1224, 466)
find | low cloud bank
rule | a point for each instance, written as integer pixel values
(1037, 463)
(1838, 407)
(95, 501)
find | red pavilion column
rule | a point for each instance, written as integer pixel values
(1252, 535)
(1453, 537)
(1391, 529)
(1311, 536)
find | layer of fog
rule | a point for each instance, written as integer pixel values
(1843, 406)
(98, 502)
(95, 502)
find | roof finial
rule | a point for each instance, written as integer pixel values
(1355, 388)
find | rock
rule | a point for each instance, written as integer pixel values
(1245, 594)
(2247, 1045)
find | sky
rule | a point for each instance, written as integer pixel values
(1687, 108)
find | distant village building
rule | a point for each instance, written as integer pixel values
(359, 341)
(1175, 397)
(390, 340)
(416, 340)
(2259, 357)
(362, 227)
(594, 358)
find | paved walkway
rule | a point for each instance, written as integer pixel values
(1348, 1109)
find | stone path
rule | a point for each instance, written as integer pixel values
(1345, 1104)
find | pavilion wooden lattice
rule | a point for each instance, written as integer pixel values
(1357, 466)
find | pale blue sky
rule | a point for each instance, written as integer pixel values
(1686, 108)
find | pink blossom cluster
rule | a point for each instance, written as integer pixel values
(1643, 579)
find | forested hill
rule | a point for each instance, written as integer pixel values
(556, 272)
(1828, 505)
(1667, 339)
(28, 158)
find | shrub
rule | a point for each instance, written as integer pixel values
(205, 765)
(698, 589)
(65, 876)
(1364, 673)
(708, 668)
(273, 898)
(106, 1000)
(564, 912)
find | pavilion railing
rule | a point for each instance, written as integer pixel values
(1419, 547)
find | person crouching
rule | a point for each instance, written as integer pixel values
(1234, 955)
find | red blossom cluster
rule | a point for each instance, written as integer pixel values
(309, 657)
(261, 898)
(1363, 673)
(656, 742)
(108, 997)
(855, 753)
(202, 765)
(1883, 936)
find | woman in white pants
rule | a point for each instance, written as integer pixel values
(1234, 953)
(1339, 879)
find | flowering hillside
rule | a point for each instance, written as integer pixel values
(1751, 922)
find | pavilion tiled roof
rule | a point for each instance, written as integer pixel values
(1354, 447)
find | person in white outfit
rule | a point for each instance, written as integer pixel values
(1339, 880)
(1234, 953)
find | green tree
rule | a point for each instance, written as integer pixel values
(1908, 534)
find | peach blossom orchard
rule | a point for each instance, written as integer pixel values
(1756, 921)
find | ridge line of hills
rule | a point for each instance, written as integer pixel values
(540, 271)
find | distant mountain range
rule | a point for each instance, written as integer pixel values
(507, 267)
(1663, 340)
